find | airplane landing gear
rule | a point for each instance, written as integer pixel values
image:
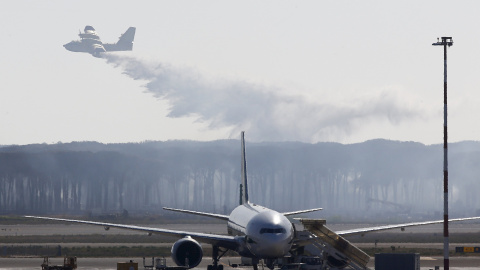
(216, 257)
(270, 263)
(255, 264)
(213, 267)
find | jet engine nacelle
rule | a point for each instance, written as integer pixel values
(187, 252)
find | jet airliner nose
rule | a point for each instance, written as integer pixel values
(73, 46)
(269, 235)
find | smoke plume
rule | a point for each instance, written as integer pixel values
(261, 111)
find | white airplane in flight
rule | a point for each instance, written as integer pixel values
(90, 42)
(254, 231)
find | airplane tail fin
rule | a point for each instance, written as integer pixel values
(244, 184)
(125, 42)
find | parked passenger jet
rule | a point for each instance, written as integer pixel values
(90, 42)
(254, 231)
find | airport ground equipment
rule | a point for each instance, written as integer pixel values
(302, 262)
(294, 266)
(338, 252)
(69, 263)
(161, 263)
(397, 261)
(131, 265)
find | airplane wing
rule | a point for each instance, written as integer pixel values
(222, 217)
(301, 211)
(224, 241)
(396, 226)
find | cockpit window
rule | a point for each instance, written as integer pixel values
(272, 230)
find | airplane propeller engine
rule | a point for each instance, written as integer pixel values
(187, 252)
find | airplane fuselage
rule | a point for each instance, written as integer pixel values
(90, 42)
(86, 45)
(268, 233)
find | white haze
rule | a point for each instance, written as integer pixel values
(263, 111)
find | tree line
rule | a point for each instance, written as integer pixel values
(358, 180)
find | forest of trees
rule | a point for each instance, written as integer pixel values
(364, 180)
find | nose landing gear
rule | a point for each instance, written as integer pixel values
(270, 263)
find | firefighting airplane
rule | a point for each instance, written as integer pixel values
(254, 231)
(90, 42)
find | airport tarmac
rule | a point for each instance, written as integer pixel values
(465, 263)
(456, 263)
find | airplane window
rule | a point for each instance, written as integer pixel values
(270, 230)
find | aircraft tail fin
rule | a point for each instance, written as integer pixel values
(125, 42)
(244, 184)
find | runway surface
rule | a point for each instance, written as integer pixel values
(456, 263)
(464, 263)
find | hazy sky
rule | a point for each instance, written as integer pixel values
(342, 71)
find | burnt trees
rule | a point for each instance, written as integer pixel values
(374, 176)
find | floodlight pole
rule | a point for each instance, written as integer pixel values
(446, 41)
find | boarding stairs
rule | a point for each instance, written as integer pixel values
(324, 242)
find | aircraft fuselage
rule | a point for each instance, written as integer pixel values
(86, 45)
(90, 42)
(268, 233)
